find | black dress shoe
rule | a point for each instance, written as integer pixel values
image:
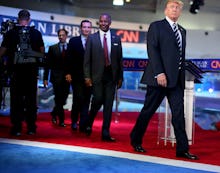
(54, 120)
(62, 125)
(74, 126)
(187, 155)
(139, 148)
(31, 132)
(14, 133)
(88, 131)
(108, 139)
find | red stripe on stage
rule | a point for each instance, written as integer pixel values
(206, 142)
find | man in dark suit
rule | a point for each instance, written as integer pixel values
(56, 64)
(75, 75)
(103, 71)
(165, 76)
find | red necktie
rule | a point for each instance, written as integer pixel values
(105, 46)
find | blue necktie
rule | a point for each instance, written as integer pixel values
(177, 35)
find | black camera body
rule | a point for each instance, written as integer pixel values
(7, 25)
(24, 53)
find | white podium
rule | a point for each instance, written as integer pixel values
(165, 128)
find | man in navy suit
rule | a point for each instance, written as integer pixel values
(75, 75)
(56, 64)
(165, 76)
(103, 71)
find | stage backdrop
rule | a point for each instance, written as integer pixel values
(133, 36)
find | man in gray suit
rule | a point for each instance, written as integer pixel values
(104, 72)
(165, 76)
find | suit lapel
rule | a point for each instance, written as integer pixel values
(169, 28)
(57, 49)
(80, 45)
(113, 40)
(183, 36)
(98, 40)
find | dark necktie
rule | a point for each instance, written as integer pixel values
(105, 46)
(177, 35)
(63, 51)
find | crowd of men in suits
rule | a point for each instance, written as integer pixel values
(92, 65)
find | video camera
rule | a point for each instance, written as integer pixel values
(7, 25)
(24, 53)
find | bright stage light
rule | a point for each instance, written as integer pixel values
(199, 90)
(211, 90)
(118, 2)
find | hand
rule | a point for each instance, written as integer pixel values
(45, 83)
(88, 82)
(162, 80)
(119, 84)
(68, 78)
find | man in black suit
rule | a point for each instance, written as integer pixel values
(104, 72)
(75, 75)
(165, 76)
(56, 64)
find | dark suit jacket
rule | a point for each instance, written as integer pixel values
(55, 63)
(75, 57)
(94, 61)
(163, 53)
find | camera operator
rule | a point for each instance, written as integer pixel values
(3, 80)
(23, 76)
(1, 83)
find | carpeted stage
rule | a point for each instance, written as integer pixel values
(206, 142)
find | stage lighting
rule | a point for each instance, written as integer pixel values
(211, 90)
(118, 2)
(195, 6)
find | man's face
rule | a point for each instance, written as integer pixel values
(86, 28)
(173, 11)
(23, 22)
(62, 36)
(104, 23)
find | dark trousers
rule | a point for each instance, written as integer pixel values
(61, 92)
(154, 97)
(103, 95)
(81, 103)
(23, 99)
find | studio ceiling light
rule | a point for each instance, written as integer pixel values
(195, 6)
(118, 2)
